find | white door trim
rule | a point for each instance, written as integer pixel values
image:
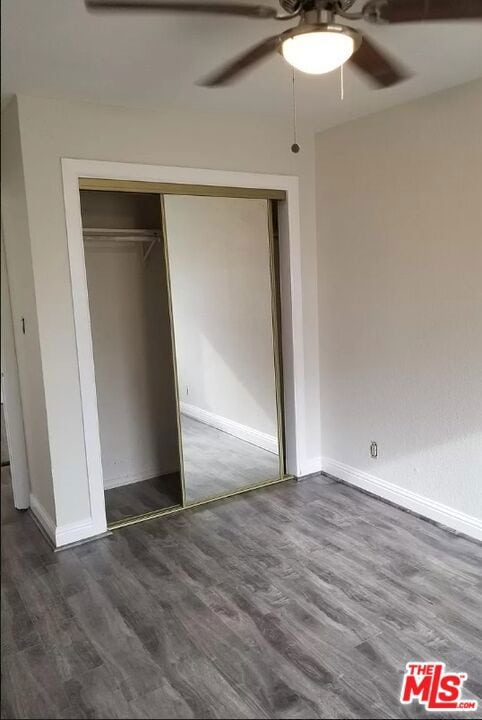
(291, 300)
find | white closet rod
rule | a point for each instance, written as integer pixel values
(125, 235)
(120, 234)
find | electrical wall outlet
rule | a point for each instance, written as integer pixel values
(373, 450)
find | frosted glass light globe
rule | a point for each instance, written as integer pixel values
(318, 52)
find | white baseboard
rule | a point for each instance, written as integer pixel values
(43, 518)
(431, 509)
(62, 534)
(310, 467)
(74, 532)
(146, 474)
(243, 432)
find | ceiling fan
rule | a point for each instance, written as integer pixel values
(318, 44)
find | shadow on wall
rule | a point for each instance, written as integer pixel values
(221, 293)
(158, 358)
(232, 378)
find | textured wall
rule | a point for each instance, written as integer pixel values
(400, 262)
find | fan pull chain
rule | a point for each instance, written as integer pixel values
(295, 148)
(342, 83)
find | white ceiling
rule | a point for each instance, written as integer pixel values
(55, 48)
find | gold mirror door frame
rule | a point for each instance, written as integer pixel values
(189, 498)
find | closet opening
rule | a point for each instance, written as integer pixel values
(133, 356)
(183, 286)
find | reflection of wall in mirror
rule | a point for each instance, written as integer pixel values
(221, 294)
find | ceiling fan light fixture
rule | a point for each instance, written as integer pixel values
(321, 50)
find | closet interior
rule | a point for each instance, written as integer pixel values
(185, 319)
(133, 358)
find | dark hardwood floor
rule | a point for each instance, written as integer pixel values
(303, 600)
(142, 497)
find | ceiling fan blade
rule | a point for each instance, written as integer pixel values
(213, 8)
(377, 65)
(401, 11)
(233, 69)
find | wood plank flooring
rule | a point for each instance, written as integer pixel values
(303, 600)
(142, 497)
(216, 462)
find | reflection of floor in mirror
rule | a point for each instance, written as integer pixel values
(142, 497)
(5, 455)
(215, 462)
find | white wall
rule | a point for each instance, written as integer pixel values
(399, 198)
(221, 297)
(53, 129)
(22, 295)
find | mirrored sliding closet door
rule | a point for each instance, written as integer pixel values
(223, 314)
